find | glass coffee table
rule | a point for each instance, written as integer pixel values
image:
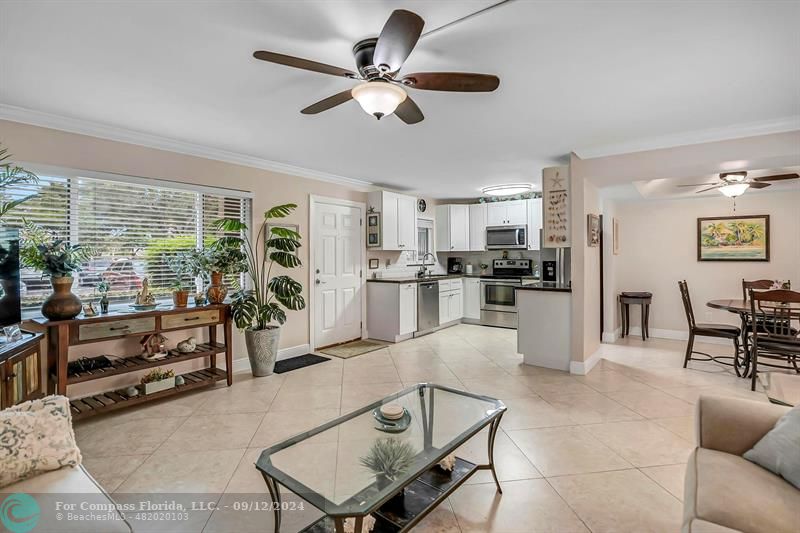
(324, 465)
(781, 388)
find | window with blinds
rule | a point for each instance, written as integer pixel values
(134, 229)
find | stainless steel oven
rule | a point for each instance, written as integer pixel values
(499, 302)
(506, 237)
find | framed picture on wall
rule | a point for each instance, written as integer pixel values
(736, 238)
(593, 230)
(373, 264)
(615, 240)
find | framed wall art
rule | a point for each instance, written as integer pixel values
(736, 238)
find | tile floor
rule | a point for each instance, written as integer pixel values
(603, 452)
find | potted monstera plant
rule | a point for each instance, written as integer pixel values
(257, 308)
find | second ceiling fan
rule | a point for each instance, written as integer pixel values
(733, 184)
(378, 61)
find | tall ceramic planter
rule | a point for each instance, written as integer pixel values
(62, 304)
(262, 349)
(217, 291)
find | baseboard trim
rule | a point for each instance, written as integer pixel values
(676, 335)
(611, 336)
(582, 368)
(243, 363)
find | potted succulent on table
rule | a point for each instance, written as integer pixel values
(181, 267)
(157, 380)
(223, 258)
(44, 251)
(255, 310)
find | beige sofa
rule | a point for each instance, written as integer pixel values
(723, 491)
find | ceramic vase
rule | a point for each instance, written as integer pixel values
(217, 291)
(104, 305)
(62, 304)
(262, 349)
(180, 298)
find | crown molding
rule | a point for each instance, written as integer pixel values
(738, 131)
(113, 133)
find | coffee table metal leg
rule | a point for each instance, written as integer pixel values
(339, 523)
(275, 494)
(492, 434)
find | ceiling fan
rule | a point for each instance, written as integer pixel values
(733, 184)
(378, 61)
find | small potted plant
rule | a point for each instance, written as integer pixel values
(103, 287)
(388, 459)
(484, 267)
(157, 380)
(44, 251)
(223, 258)
(181, 267)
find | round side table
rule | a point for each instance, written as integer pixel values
(626, 299)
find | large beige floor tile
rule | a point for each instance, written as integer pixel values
(356, 395)
(110, 472)
(131, 437)
(278, 426)
(682, 426)
(692, 394)
(308, 397)
(528, 506)
(643, 442)
(498, 386)
(240, 399)
(566, 450)
(671, 477)
(510, 463)
(362, 375)
(533, 412)
(554, 385)
(610, 381)
(213, 432)
(592, 407)
(188, 472)
(419, 373)
(464, 371)
(652, 404)
(441, 520)
(622, 501)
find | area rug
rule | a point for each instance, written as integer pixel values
(352, 349)
(300, 361)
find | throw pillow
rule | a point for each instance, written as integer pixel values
(779, 450)
(36, 437)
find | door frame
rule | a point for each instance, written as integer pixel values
(315, 199)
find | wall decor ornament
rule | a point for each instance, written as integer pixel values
(593, 230)
(616, 236)
(734, 238)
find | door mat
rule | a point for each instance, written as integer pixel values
(300, 361)
(352, 349)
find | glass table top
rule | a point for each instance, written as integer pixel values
(325, 466)
(781, 388)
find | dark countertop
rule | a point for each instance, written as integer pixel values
(546, 286)
(418, 280)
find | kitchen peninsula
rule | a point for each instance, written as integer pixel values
(543, 335)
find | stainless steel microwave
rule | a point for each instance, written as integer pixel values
(506, 237)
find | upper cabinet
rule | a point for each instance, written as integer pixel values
(452, 228)
(477, 227)
(534, 223)
(398, 219)
(510, 213)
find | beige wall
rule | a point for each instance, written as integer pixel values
(658, 248)
(52, 147)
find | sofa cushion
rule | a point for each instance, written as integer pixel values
(36, 437)
(732, 492)
(779, 450)
(70, 485)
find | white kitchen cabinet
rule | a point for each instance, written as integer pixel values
(534, 223)
(391, 310)
(472, 298)
(450, 300)
(444, 308)
(509, 213)
(456, 310)
(408, 308)
(477, 227)
(452, 228)
(398, 219)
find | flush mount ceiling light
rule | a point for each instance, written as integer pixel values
(734, 189)
(378, 98)
(507, 190)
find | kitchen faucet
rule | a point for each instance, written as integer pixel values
(423, 268)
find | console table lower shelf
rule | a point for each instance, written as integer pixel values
(418, 499)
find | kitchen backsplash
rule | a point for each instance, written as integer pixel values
(404, 264)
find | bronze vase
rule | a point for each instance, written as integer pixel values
(217, 291)
(180, 298)
(62, 304)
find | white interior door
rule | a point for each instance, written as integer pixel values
(337, 274)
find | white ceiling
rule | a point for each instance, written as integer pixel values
(590, 77)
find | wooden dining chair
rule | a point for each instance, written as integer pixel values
(758, 284)
(722, 331)
(774, 338)
(755, 285)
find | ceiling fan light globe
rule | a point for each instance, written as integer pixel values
(734, 189)
(507, 190)
(378, 99)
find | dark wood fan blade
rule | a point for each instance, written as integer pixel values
(305, 64)
(710, 188)
(464, 82)
(697, 184)
(778, 177)
(409, 112)
(397, 39)
(759, 185)
(327, 103)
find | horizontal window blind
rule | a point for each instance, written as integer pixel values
(133, 228)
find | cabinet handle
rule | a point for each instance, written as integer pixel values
(11, 376)
(192, 318)
(119, 328)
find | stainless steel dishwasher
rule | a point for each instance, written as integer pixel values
(427, 307)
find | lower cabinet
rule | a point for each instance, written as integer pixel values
(451, 305)
(472, 298)
(21, 372)
(391, 310)
(408, 308)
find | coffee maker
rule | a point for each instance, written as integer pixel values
(455, 265)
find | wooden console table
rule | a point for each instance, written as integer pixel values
(121, 324)
(21, 370)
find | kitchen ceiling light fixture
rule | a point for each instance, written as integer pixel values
(734, 189)
(378, 98)
(507, 190)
